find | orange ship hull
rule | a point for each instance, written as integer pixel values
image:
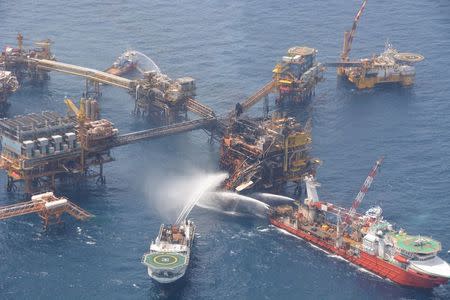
(369, 262)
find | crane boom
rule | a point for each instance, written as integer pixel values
(349, 35)
(79, 112)
(363, 191)
(71, 106)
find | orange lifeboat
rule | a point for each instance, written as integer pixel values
(401, 259)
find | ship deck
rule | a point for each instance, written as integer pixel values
(416, 244)
(161, 260)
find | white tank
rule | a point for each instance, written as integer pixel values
(56, 204)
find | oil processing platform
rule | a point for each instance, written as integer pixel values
(259, 153)
(40, 149)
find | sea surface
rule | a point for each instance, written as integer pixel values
(230, 47)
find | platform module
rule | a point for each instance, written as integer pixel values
(265, 154)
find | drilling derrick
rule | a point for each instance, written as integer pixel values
(265, 154)
(15, 65)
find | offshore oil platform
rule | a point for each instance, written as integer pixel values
(265, 154)
(259, 153)
(40, 149)
(390, 66)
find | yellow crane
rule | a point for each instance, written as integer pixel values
(81, 117)
(349, 35)
(79, 112)
(348, 39)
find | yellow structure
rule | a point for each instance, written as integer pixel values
(388, 67)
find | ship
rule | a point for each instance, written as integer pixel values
(390, 66)
(366, 240)
(169, 254)
(125, 63)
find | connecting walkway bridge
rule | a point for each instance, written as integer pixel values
(153, 133)
(48, 206)
(88, 73)
(256, 97)
(199, 109)
(128, 138)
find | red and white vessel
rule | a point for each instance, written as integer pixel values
(365, 240)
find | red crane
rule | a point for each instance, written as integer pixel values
(359, 198)
(363, 191)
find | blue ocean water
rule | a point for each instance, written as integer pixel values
(230, 47)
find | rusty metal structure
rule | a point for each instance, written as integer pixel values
(49, 207)
(8, 85)
(265, 154)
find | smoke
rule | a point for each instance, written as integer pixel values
(175, 197)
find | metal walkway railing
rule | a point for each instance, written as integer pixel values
(88, 73)
(253, 99)
(162, 131)
(44, 207)
(76, 211)
(198, 108)
(19, 209)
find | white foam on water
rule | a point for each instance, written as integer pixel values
(358, 268)
(367, 271)
(337, 257)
